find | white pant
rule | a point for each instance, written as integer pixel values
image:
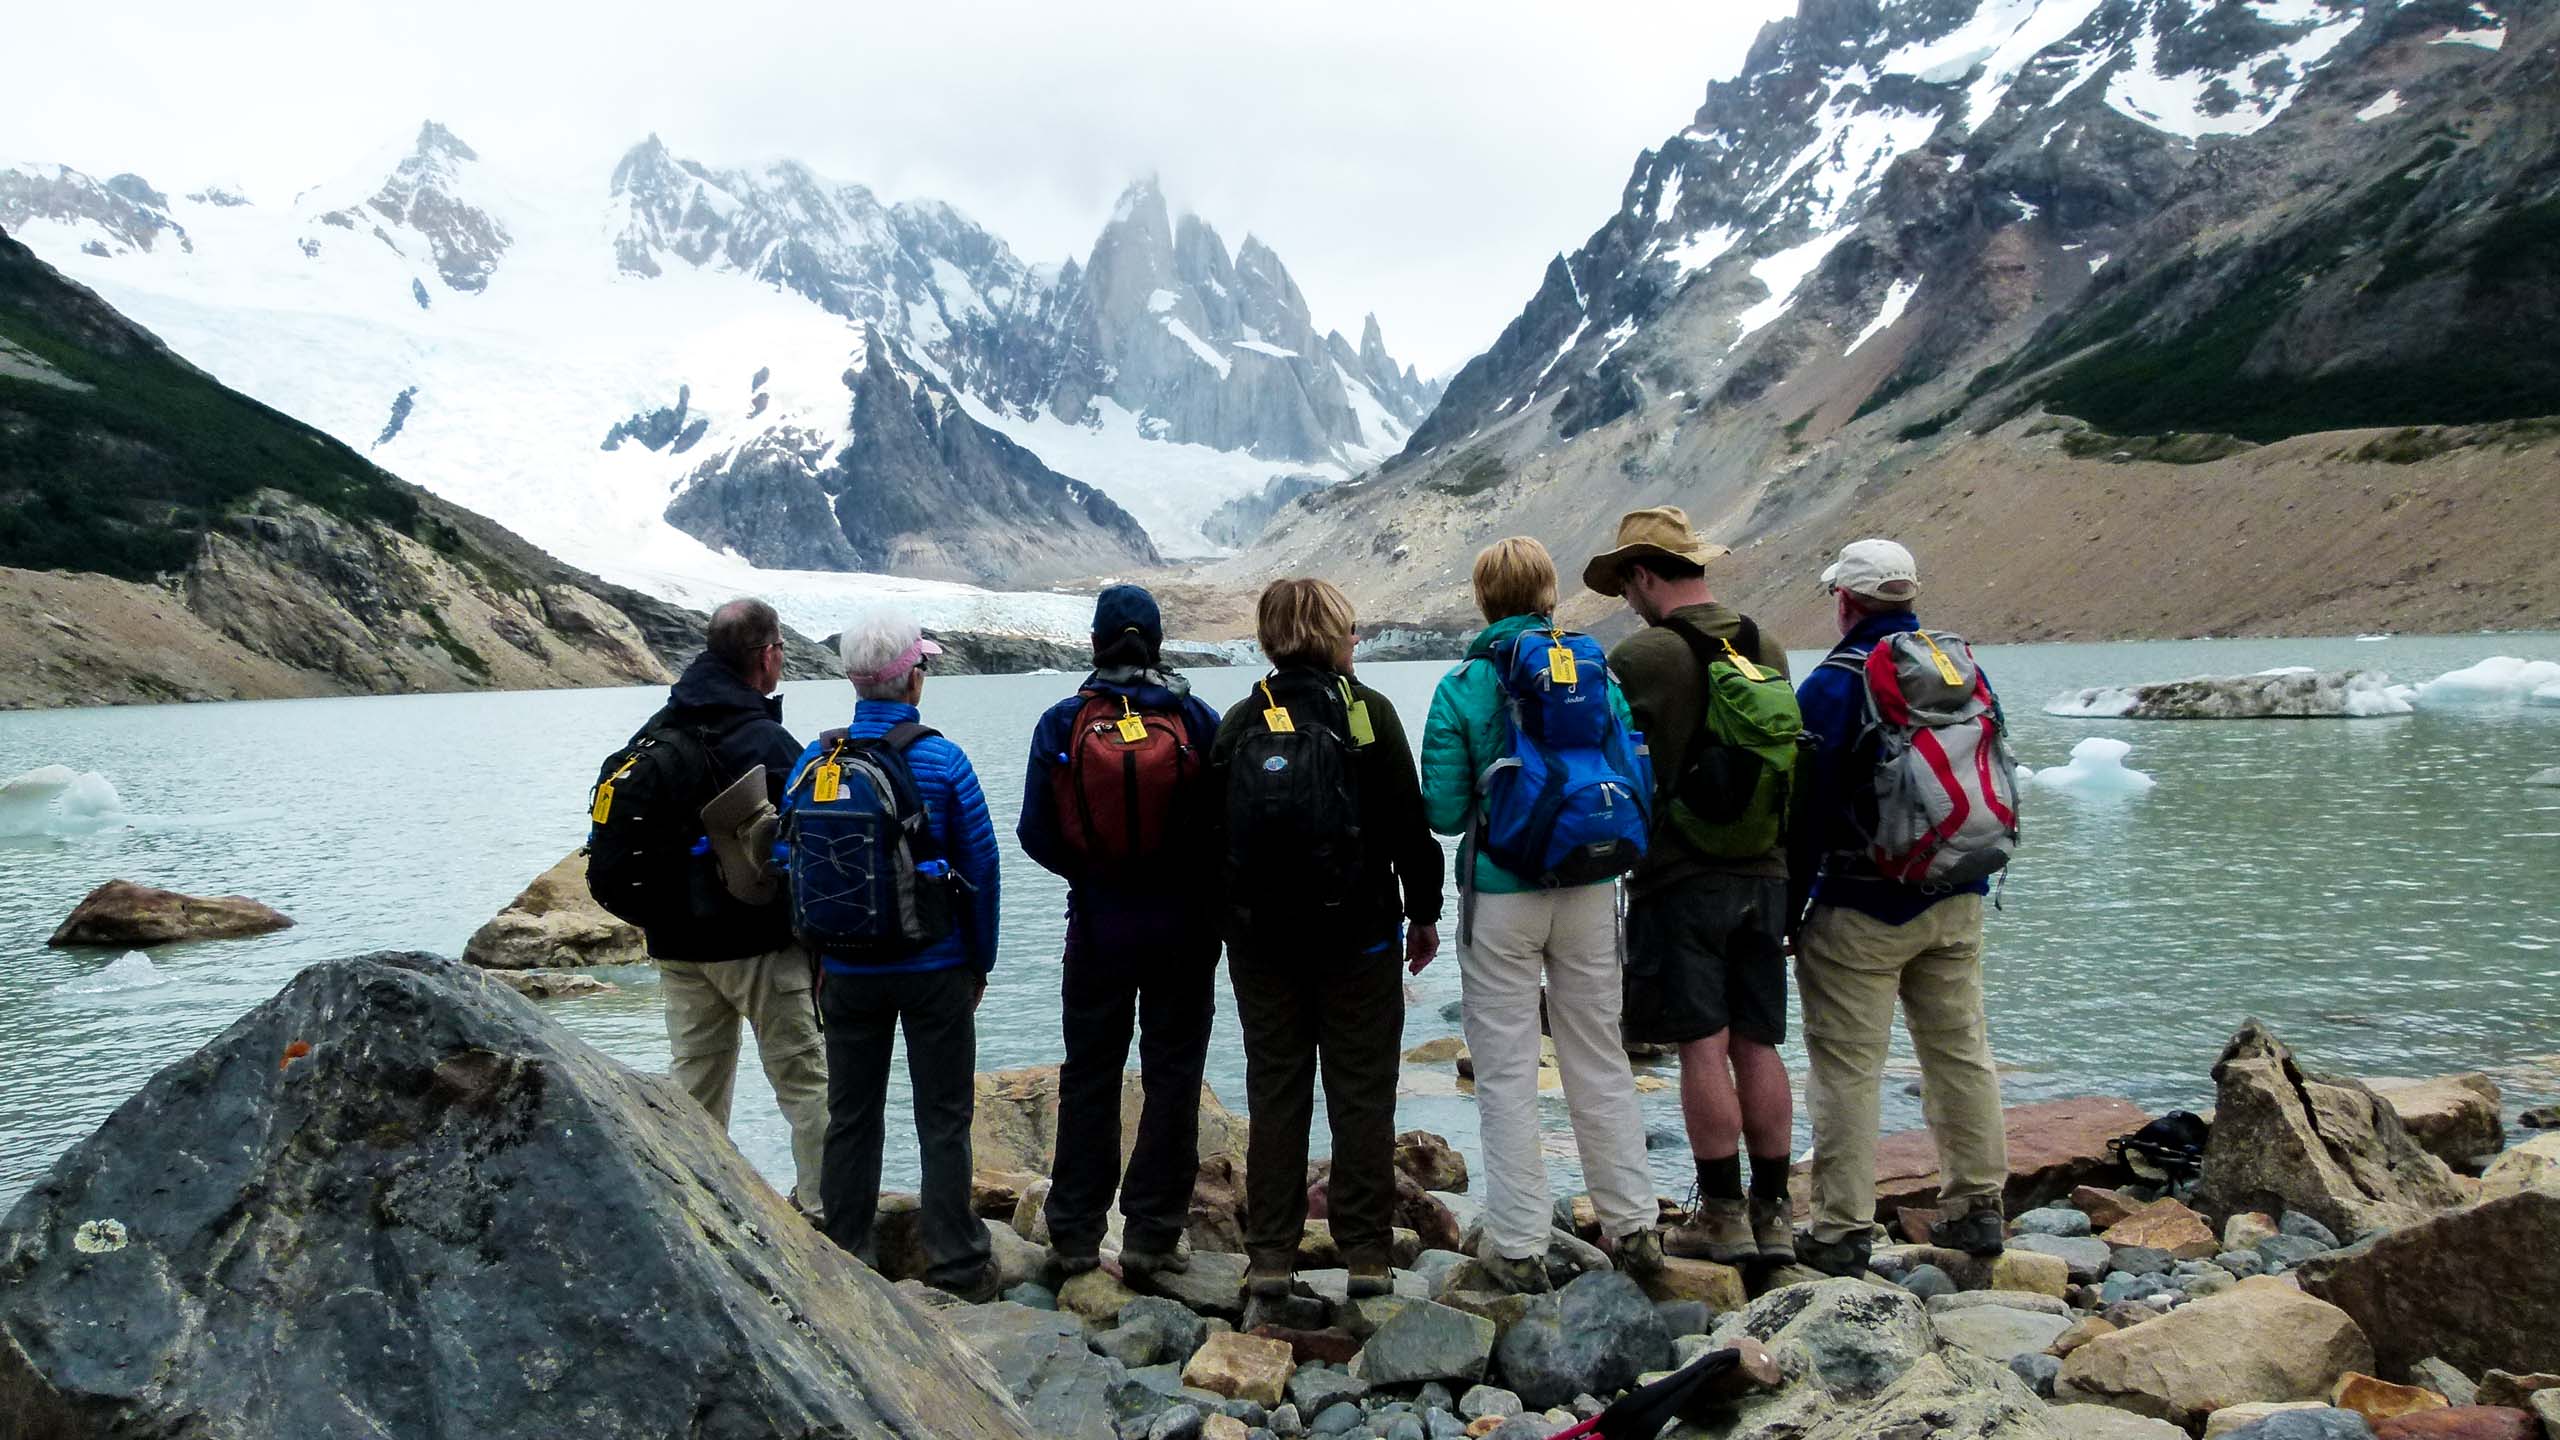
(1572, 936)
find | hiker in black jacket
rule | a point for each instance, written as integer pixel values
(747, 966)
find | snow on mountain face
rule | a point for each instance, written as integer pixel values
(613, 370)
(2094, 106)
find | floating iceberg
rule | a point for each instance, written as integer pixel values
(57, 800)
(2498, 680)
(132, 970)
(2291, 693)
(2544, 777)
(2097, 768)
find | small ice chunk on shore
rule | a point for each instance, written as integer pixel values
(2097, 768)
(132, 970)
(2498, 680)
(2293, 692)
(57, 800)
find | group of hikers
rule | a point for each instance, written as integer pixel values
(1853, 822)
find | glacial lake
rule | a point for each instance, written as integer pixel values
(2385, 893)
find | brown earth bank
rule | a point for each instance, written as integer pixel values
(2040, 529)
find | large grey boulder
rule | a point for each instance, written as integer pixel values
(1593, 1337)
(1063, 1388)
(395, 1200)
(1859, 1360)
(2329, 1146)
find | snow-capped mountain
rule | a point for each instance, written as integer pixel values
(696, 380)
(1906, 224)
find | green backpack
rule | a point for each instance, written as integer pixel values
(1731, 801)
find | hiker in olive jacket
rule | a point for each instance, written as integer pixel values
(1515, 937)
(1706, 936)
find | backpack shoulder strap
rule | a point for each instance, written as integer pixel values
(1701, 645)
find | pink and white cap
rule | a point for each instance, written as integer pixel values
(882, 647)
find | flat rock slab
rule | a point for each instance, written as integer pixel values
(138, 916)
(1997, 1333)
(2055, 1146)
(2260, 1340)
(398, 1200)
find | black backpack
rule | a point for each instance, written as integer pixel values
(644, 824)
(1293, 818)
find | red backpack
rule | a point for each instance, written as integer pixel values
(1127, 775)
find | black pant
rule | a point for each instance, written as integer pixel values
(864, 1013)
(1167, 991)
(1345, 1013)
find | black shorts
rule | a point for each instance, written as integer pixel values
(1707, 952)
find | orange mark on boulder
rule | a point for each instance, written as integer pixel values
(293, 1052)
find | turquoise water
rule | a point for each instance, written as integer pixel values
(2386, 893)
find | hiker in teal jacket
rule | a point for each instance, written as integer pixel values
(1515, 936)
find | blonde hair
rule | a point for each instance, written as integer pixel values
(1305, 621)
(1515, 577)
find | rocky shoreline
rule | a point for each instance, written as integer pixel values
(466, 1192)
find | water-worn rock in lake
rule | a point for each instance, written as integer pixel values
(123, 913)
(396, 1200)
(555, 922)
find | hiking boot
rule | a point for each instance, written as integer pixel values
(1067, 1265)
(1638, 1254)
(1140, 1267)
(1271, 1277)
(1370, 1275)
(1978, 1231)
(1718, 1230)
(1847, 1256)
(1526, 1276)
(1773, 1231)
(974, 1289)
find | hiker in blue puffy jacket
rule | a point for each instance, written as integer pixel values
(932, 994)
(1128, 824)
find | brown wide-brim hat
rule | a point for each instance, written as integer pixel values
(1662, 530)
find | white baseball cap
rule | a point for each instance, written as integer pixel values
(1878, 569)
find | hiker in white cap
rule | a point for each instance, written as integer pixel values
(1706, 967)
(1899, 821)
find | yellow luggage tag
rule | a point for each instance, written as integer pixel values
(1362, 732)
(1275, 717)
(1560, 665)
(1749, 671)
(1946, 667)
(1133, 727)
(604, 792)
(826, 779)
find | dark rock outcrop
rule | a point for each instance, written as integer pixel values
(125, 914)
(2429, 1290)
(396, 1200)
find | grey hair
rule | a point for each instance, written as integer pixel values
(874, 638)
(741, 628)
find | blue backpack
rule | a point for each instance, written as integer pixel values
(865, 885)
(1571, 798)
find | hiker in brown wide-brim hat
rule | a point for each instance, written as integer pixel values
(1659, 530)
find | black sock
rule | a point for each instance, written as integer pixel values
(1769, 1176)
(1720, 1179)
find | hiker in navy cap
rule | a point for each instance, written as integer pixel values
(1115, 802)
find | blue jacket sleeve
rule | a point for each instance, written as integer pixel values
(1829, 700)
(1038, 828)
(972, 847)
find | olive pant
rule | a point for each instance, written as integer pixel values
(1850, 967)
(1343, 1014)
(705, 1000)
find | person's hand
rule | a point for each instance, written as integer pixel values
(1421, 946)
(978, 995)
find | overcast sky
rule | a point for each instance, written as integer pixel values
(1417, 158)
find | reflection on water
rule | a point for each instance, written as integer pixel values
(2381, 891)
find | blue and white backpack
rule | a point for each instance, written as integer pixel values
(1570, 799)
(865, 887)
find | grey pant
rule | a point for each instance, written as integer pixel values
(936, 1010)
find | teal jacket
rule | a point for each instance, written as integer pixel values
(1464, 734)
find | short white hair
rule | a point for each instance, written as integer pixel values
(871, 642)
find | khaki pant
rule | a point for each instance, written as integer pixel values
(1568, 939)
(705, 1002)
(1849, 969)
